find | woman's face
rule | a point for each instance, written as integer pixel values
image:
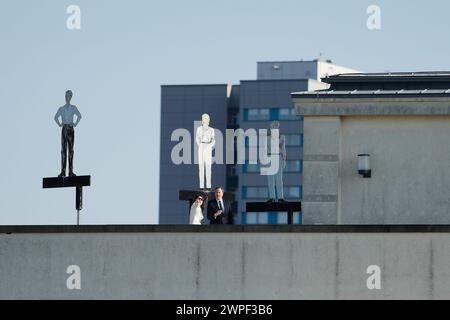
(205, 120)
(199, 200)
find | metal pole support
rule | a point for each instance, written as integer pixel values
(78, 201)
(290, 215)
(79, 198)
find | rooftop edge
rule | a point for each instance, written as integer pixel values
(33, 229)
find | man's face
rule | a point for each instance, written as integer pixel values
(219, 194)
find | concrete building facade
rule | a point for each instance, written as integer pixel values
(403, 121)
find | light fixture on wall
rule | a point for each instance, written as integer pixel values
(364, 165)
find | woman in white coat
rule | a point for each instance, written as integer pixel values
(196, 213)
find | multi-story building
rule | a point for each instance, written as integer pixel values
(252, 104)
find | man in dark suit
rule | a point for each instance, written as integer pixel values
(218, 209)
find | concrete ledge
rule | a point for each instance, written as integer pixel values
(221, 266)
(225, 228)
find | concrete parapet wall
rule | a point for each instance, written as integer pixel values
(313, 264)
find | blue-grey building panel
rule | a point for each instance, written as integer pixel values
(272, 95)
(181, 105)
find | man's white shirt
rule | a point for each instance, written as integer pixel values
(220, 204)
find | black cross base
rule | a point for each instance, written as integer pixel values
(78, 182)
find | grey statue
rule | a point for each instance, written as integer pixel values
(67, 113)
(275, 181)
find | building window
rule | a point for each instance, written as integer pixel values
(255, 192)
(292, 166)
(250, 168)
(244, 218)
(233, 119)
(287, 114)
(252, 217)
(270, 114)
(262, 217)
(255, 218)
(294, 140)
(257, 114)
(282, 218)
(274, 114)
(292, 192)
(272, 218)
(260, 192)
(269, 218)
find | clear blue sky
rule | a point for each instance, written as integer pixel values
(126, 49)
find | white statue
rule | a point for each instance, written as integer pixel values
(205, 141)
(275, 181)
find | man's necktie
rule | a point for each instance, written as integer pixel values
(220, 205)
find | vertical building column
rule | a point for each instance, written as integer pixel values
(321, 169)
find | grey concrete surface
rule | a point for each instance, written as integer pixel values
(183, 265)
(348, 106)
(321, 169)
(410, 170)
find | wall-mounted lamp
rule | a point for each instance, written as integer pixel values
(364, 165)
